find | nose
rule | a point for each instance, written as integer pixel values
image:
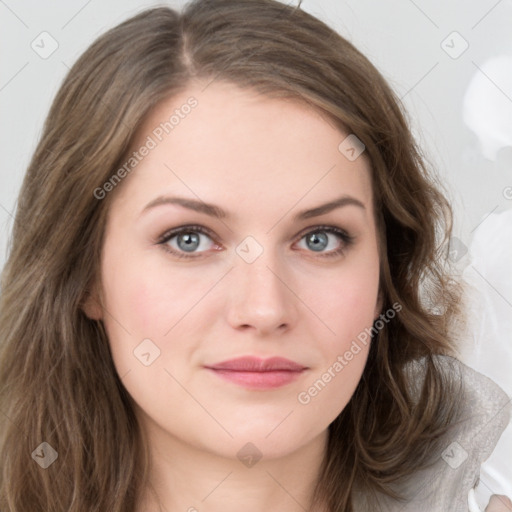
(261, 298)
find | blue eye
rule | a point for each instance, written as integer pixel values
(318, 240)
(186, 241)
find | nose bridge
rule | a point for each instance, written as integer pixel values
(261, 297)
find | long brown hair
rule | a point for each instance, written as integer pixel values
(58, 384)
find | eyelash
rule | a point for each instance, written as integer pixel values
(168, 235)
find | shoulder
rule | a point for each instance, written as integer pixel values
(445, 485)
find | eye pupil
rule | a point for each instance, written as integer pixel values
(191, 241)
(319, 241)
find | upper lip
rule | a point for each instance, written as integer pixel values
(256, 364)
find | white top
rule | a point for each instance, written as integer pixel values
(485, 340)
(445, 486)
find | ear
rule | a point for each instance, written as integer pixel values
(91, 303)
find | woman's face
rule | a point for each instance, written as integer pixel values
(269, 277)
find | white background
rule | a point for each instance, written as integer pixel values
(460, 109)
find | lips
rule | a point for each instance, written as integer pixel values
(256, 373)
(255, 364)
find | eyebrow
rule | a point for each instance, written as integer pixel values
(216, 211)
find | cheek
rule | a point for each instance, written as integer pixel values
(347, 301)
(134, 302)
(328, 390)
(146, 296)
(343, 355)
(347, 304)
(144, 301)
(147, 299)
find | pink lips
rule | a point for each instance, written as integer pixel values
(253, 372)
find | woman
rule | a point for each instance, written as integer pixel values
(221, 288)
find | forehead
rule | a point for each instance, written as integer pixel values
(238, 147)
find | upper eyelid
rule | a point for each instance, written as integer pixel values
(171, 233)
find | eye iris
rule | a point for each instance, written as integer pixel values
(190, 241)
(319, 241)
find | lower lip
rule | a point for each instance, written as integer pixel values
(259, 380)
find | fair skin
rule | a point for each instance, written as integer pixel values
(499, 503)
(263, 161)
